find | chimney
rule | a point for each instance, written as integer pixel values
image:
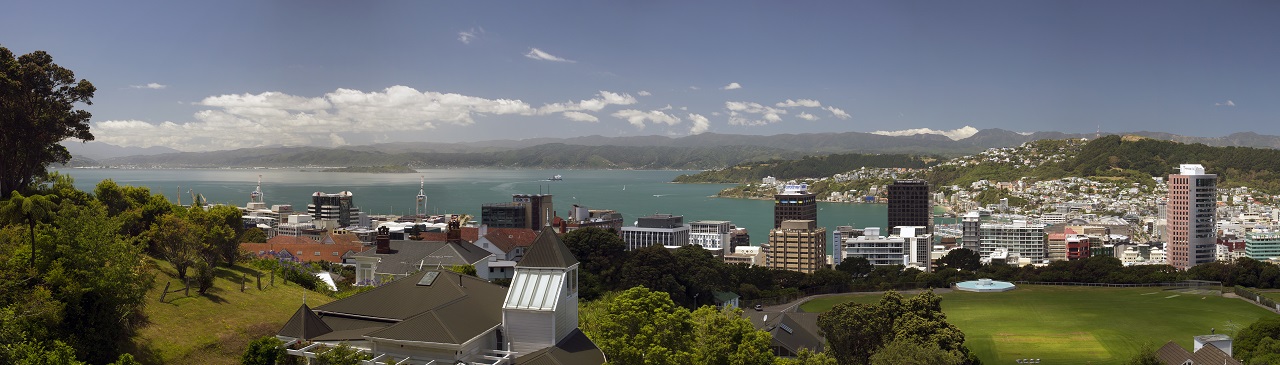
(564, 226)
(454, 235)
(383, 240)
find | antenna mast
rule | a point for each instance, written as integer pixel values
(421, 208)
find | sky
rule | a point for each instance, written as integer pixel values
(214, 75)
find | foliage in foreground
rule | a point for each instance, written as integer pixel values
(857, 332)
(640, 326)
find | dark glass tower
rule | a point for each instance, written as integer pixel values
(909, 205)
(794, 203)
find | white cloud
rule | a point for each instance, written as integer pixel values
(668, 107)
(807, 116)
(693, 88)
(684, 108)
(580, 117)
(638, 118)
(732, 86)
(700, 123)
(274, 118)
(595, 104)
(153, 86)
(837, 112)
(538, 54)
(643, 93)
(1225, 103)
(469, 35)
(739, 109)
(336, 140)
(802, 102)
(954, 134)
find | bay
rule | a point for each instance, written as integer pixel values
(633, 193)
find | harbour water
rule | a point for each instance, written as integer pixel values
(634, 193)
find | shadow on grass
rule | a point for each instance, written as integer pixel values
(142, 352)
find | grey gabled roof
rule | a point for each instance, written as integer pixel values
(791, 330)
(548, 251)
(575, 349)
(410, 256)
(304, 324)
(454, 308)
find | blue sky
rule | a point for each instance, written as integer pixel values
(229, 74)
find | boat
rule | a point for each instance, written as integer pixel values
(555, 178)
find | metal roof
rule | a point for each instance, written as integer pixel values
(548, 251)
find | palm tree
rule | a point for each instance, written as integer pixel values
(31, 209)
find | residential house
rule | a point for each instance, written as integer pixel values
(508, 246)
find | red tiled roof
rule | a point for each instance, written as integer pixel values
(508, 239)
(469, 234)
(307, 252)
(291, 240)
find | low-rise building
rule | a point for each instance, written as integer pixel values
(659, 229)
(1262, 246)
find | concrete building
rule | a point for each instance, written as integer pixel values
(1019, 238)
(794, 203)
(530, 211)
(1191, 209)
(970, 226)
(798, 245)
(838, 236)
(909, 205)
(748, 255)
(1262, 246)
(911, 246)
(659, 229)
(581, 217)
(334, 207)
(1078, 247)
(711, 235)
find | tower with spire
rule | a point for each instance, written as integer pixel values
(256, 195)
(541, 307)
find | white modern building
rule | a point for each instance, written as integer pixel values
(1026, 240)
(659, 229)
(711, 235)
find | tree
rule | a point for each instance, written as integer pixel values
(855, 332)
(1248, 340)
(254, 235)
(906, 352)
(655, 268)
(855, 266)
(31, 210)
(601, 253)
(342, 354)
(961, 259)
(806, 357)
(641, 326)
(1145, 356)
(177, 241)
(724, 336)
(263, 351)
(38, 101)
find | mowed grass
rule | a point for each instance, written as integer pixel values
(1078, 325)
(214, 328)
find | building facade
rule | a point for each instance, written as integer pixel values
(711, 235)
(1025, 240)
(794, 203)
(657, 230)
(334, 207)
(798, 245)
(909, 205)
(1190, 224)
(1262, 246)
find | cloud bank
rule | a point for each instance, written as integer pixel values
(954, 134)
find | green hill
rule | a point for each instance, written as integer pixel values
(806, 167)
(216, 327)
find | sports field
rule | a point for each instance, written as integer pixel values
(1078, 325)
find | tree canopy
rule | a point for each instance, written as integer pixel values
(38, 101)
(856, 332)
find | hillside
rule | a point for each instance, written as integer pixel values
(1235, 166)
(807, 167)
(216, 327)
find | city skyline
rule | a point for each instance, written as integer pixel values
(198, 77)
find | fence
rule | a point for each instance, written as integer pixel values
(833, 289)
(1197, 284)
(1256, 297)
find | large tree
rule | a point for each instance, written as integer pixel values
(855, 332)
(640, 326)
(38, 101)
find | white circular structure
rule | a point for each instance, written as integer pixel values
(984, 286)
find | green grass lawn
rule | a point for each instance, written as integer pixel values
(1078, 325)
(216, 327)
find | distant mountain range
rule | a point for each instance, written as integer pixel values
(707, 150)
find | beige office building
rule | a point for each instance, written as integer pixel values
(798, 245)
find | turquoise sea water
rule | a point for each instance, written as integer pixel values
(461, 191)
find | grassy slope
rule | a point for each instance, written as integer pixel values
(1078, 324)
(214, 328)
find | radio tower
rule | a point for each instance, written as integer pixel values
(421, 207)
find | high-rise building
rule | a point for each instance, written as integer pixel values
(797, 245)
(334, 207)
(1191, 210)
(909, 205)
(659, 229)
(794, 203)
(970, 225)
(532, 211)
